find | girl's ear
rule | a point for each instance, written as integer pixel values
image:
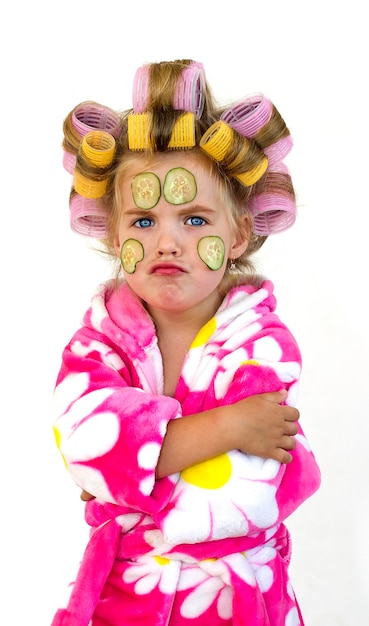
(242, 238)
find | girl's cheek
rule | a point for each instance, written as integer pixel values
(211, 251)
(131, 253)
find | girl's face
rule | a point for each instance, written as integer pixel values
(162, 259)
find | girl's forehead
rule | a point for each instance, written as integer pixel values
(161, 163)
(177, 171)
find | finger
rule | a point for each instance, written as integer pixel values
(292, 414)
(276, 396)
(85, 496)
(288, 443)
(291, 429)
(282, 456)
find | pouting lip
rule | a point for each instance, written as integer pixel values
(166, 265)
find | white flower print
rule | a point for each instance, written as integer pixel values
(221, 498)
(209, 589)
(150, 572)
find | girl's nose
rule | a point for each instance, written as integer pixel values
(168, 243)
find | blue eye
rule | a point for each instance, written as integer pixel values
(144, 222)
(195, 221)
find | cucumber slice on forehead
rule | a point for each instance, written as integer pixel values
(179, 186)
(211, 251)
(131, 253)
(146, 190)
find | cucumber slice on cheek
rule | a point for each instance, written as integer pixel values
(211, 251)
(131, 253)
(146, 190)
(179, 186)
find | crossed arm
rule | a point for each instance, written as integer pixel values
(259, 425)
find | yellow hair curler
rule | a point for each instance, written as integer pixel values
(217, 140)
(89, 188)
(183, 134)
(252, 176)
(98, 148)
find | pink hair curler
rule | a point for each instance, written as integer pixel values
(190, 91)
(277, 151)
(87, 217)
(69, 161)
(189, 94)
(272, 214)
(88, 117)
(140, 89)
(249, 115)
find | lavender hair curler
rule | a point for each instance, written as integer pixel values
(189, 95)
(190, 91)
(272, 212)
(140, 89)
(277, 151)
(89, 116)
(87, 217)
(69, 161)
(249, 115)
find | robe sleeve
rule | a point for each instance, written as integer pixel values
(108, 429)
(273, 362)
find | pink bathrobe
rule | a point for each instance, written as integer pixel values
(204, 547)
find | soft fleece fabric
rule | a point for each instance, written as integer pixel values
(204, 547)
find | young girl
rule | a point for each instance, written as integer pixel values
(174, 405)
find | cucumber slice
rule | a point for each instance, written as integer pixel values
(146, 190)
(211, 251)
(179, 186)
(131, 253)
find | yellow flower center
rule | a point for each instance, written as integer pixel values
(211, 474)
(161, 560)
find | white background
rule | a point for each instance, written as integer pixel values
(310, 58)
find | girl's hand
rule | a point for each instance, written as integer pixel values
(85, 496)
(264, 427)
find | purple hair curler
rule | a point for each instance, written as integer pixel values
(189, 94)
(249, 115)
(69, 161)
(190, 91)
(89, 117)
(272, 213)
(277, 151)
(87, 217)
(140, 89)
